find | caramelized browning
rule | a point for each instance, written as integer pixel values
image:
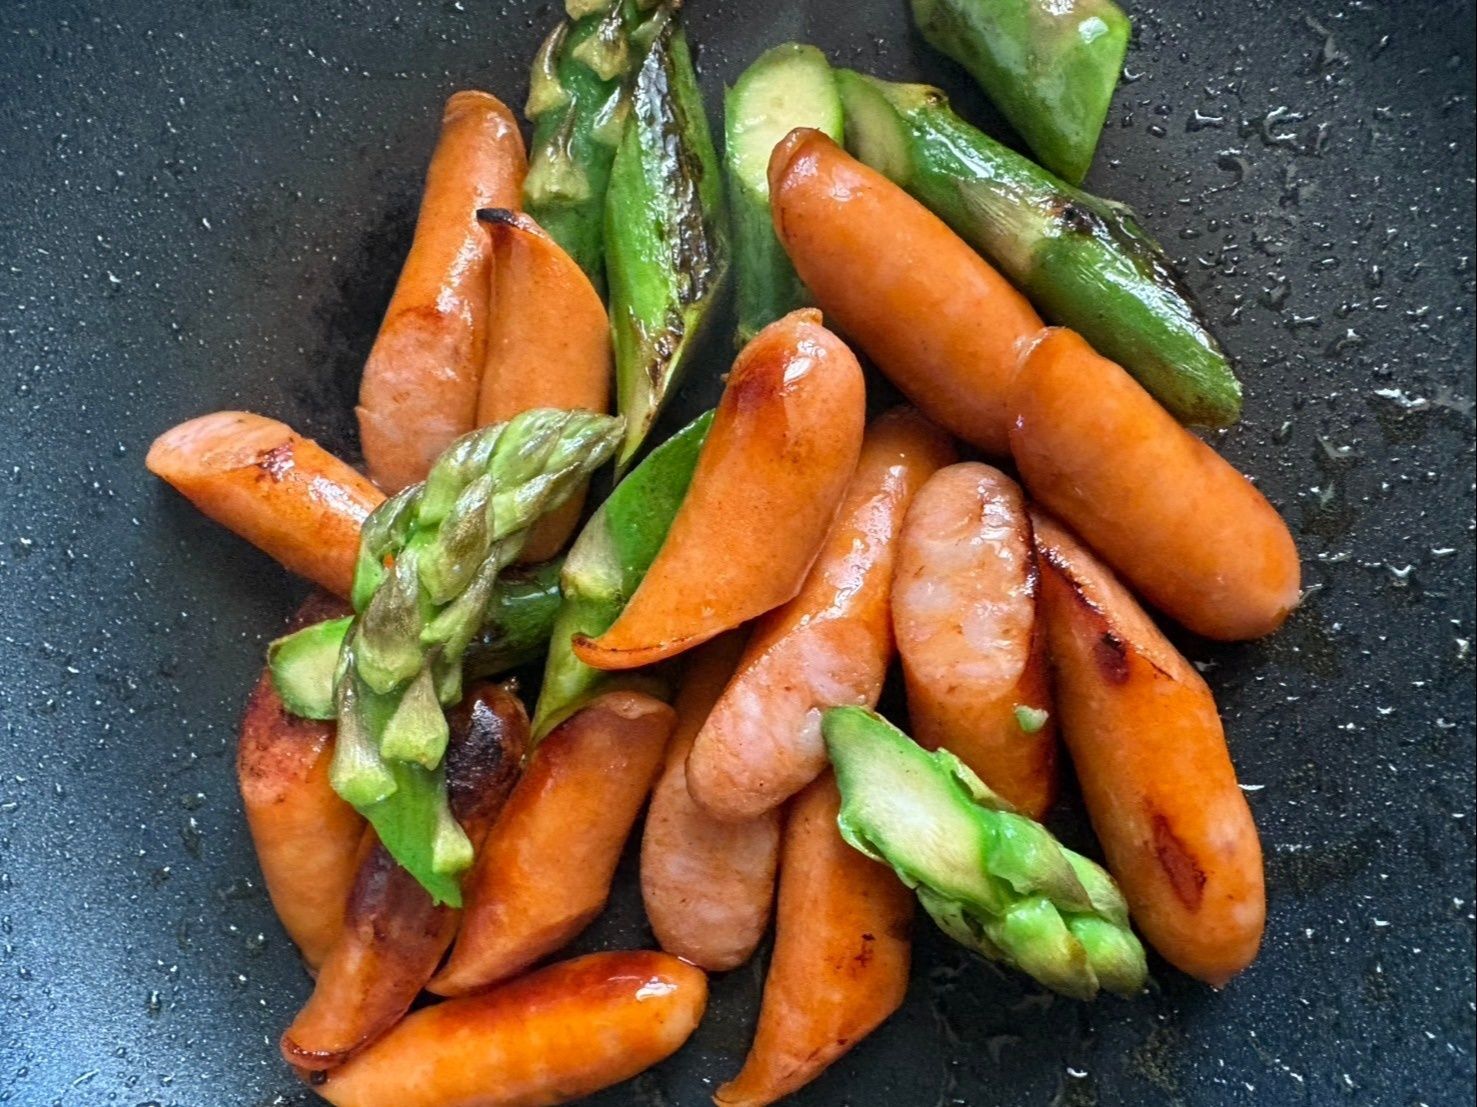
(544, 871)
(394, 936)
(1151, 756)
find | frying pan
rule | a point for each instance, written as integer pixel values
(205, 206)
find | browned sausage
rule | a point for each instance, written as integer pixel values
(553, 1036)
(782, 446)
(831, 645)
(1164, 509)
(544, 871)
(1148, 747)
(419, 391)
(964, 607)
(935, 317)
(283, 493)
(306, 838)
(841, 952)
(394, 934)
(548, 345)
(708, 884)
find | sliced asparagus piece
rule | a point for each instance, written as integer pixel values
(303, 665)
(577, 99)
(515, 631)
(607, 562)
(429, 563)
(518, 622)
(1049, 67)
(788, 86)
(1085, 262)
(992, 879)
(666, 243)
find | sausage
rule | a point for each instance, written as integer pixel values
(935, 317)
(783, 445)
(829, 646)
(548, 345)
(283, 493)
(394, 935)
(419, 389)
(708, 885)
(306, 838)
(544, 871)
(972, 647)
(1181, 525)
(1147, 743)
(553, 1036)
(841, 951)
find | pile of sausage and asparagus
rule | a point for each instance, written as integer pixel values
(717, 612)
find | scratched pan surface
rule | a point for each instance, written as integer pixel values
(205, 206)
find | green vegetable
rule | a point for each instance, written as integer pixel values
(1049, 67)
(515, 630)
(1085, 262)
(607, 562)
(577, 99)
(788, 86)
(415, 823)
(303, 664)
(430, 558)
(666, 246)
(519, 622)
(994, 880)
(1031, 719)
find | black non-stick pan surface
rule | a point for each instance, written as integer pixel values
(205, 206)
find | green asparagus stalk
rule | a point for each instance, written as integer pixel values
(1085, 262)
(994, 880)
(666, 243)
(577, 100)
(1049, 67)
(429, 562)
(786, 87)
(607, 562)
(515, 629)
(303, 665)
(519, 621)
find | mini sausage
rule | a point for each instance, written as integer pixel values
(841, 952)
(420, 384)
(1150, 753)
(548, 345)
(782, 447)
(545, 868)
(306, 838)
(556, 1035)
(283, 493)
(1164, 509)
(708, 885)
(829, 646)
(936, 318)
(972, 647)
(394, 935)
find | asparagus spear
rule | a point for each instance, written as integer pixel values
(516, 627)
(666, 244)
(429, 561)
(518, 622)
(303, 665)
(1049, 67)
(577, 100)
(994, 881)
(1085, 262)
(607, 562)
(786, 87)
